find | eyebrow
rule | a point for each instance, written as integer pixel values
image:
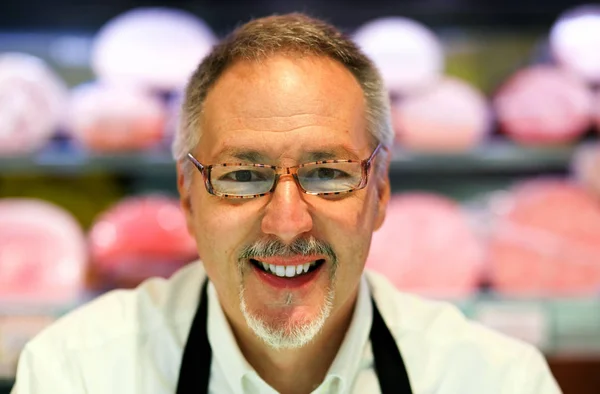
(254, 156)
(251, 156)
(338, 153)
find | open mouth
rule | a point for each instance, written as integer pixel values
(288, 271)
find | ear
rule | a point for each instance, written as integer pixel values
(384, 192)
(185, 199)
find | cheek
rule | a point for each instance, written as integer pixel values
(352, 215)
(349, 225)
(221, 228)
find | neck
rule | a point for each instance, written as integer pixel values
(301, 370)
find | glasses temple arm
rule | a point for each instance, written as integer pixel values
(196, 162)
(374, 154)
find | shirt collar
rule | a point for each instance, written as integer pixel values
(345, 366)
(225, 349)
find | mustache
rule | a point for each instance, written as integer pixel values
(276, 248)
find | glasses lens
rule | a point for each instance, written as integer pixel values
(241, 180)
(330, 177)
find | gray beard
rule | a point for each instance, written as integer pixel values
(287, 336)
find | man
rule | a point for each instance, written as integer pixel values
(282, 154)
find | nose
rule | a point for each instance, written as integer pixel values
(286, 215)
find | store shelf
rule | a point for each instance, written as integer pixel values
(557, 326)
(499, 157)
(77, 163)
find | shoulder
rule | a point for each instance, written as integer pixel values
(438, 324)
(439, 342)
(155, 304)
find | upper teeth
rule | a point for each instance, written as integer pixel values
(288, 270)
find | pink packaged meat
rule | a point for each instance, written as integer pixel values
(138, 238)
(43, 254)
(111, 118)
(574, 41)
(543, 105)
(155, 47)
(545, 240)
(407, 53)
(32, 103)
(426, 245)
(449, 116)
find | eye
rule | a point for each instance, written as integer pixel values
(243, 176)
(326, 174)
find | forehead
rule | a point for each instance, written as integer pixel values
(284, 105)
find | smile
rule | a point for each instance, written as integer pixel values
(288, 271)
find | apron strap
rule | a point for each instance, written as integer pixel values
(194, 374)
(389, 365)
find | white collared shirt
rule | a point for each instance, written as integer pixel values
(132, 342)
(231, 373)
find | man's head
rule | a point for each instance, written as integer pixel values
(284, 91)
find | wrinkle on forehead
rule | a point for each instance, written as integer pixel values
(282, 123)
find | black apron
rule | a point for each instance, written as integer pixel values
(194, 375)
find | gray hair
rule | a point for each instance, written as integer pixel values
(295, 34)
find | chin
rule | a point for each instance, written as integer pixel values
(287, 326)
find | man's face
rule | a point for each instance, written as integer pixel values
(284, 111)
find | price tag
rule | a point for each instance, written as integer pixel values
(528, 322)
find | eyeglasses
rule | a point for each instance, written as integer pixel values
(319, 178)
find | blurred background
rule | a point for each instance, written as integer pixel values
(496, 169)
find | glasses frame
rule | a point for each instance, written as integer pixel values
(205, 170)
